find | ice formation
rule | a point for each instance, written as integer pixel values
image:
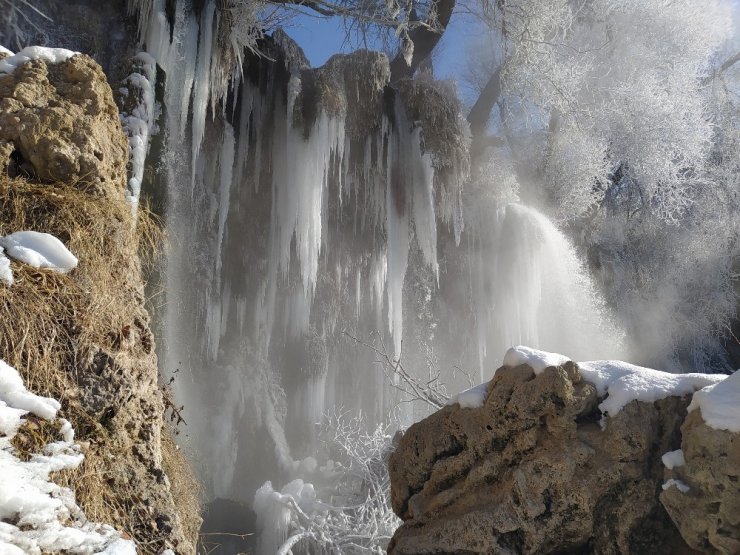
(295, 232)
(37, 515)
(40, 250)
(139, 123)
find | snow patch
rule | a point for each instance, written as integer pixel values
(5, 51)
(49, 55)
(672, 459)
(472, 398)
(682, 487)
(6, 274)
(537, 360)
(720, 404)
(40, 250)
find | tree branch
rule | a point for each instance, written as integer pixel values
(425, 38)
(728, 63)
(480, 113)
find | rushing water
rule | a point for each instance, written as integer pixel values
(290, 242)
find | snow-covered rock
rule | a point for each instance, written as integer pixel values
(49, 55)
(522, 463)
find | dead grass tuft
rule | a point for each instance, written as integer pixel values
(34, 434)
(68, 334)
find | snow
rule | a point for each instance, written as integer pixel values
(673, 459)
(682, 487)
(4, 50)
(720, 404)
(40, 250)
(37, 515)
(537, 360)
(49, 55)
(6, 274)
(472, 398)
(622, 383)
(274, 514)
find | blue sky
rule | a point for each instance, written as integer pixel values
(320, 38)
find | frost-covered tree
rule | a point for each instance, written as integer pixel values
(611, 112)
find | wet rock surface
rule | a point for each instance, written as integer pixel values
(532, 471)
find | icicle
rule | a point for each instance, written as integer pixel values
(202, 76)
(226, 167)
(139, 122)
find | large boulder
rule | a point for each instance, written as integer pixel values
(58, 122)
(536, 469)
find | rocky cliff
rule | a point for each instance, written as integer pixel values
(84, 337)
(537, 469)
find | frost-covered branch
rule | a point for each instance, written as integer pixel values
(432, 392)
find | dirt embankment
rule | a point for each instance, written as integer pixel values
(84, 337)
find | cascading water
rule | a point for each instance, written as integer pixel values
(305, 209)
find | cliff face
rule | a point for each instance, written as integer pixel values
(84, 338)
(532, 471)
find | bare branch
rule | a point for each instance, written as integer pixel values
(424, 39)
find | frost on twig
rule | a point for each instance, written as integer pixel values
(432, 392)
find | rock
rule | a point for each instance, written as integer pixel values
(531, 471)
(63, 124)
(708, 514)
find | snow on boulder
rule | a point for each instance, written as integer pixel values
(720, 404)
(623, 383)
(537, 360)
(673, 459)
(49, 55)
(472, 398)
(620, 382)
(40, 250)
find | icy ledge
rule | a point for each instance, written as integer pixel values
(620, 383)
(36, 515)
(49, 55)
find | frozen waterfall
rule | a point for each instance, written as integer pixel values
(301, 222)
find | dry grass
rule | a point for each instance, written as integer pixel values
(34, 434)
(53, 329)
(186, 490)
